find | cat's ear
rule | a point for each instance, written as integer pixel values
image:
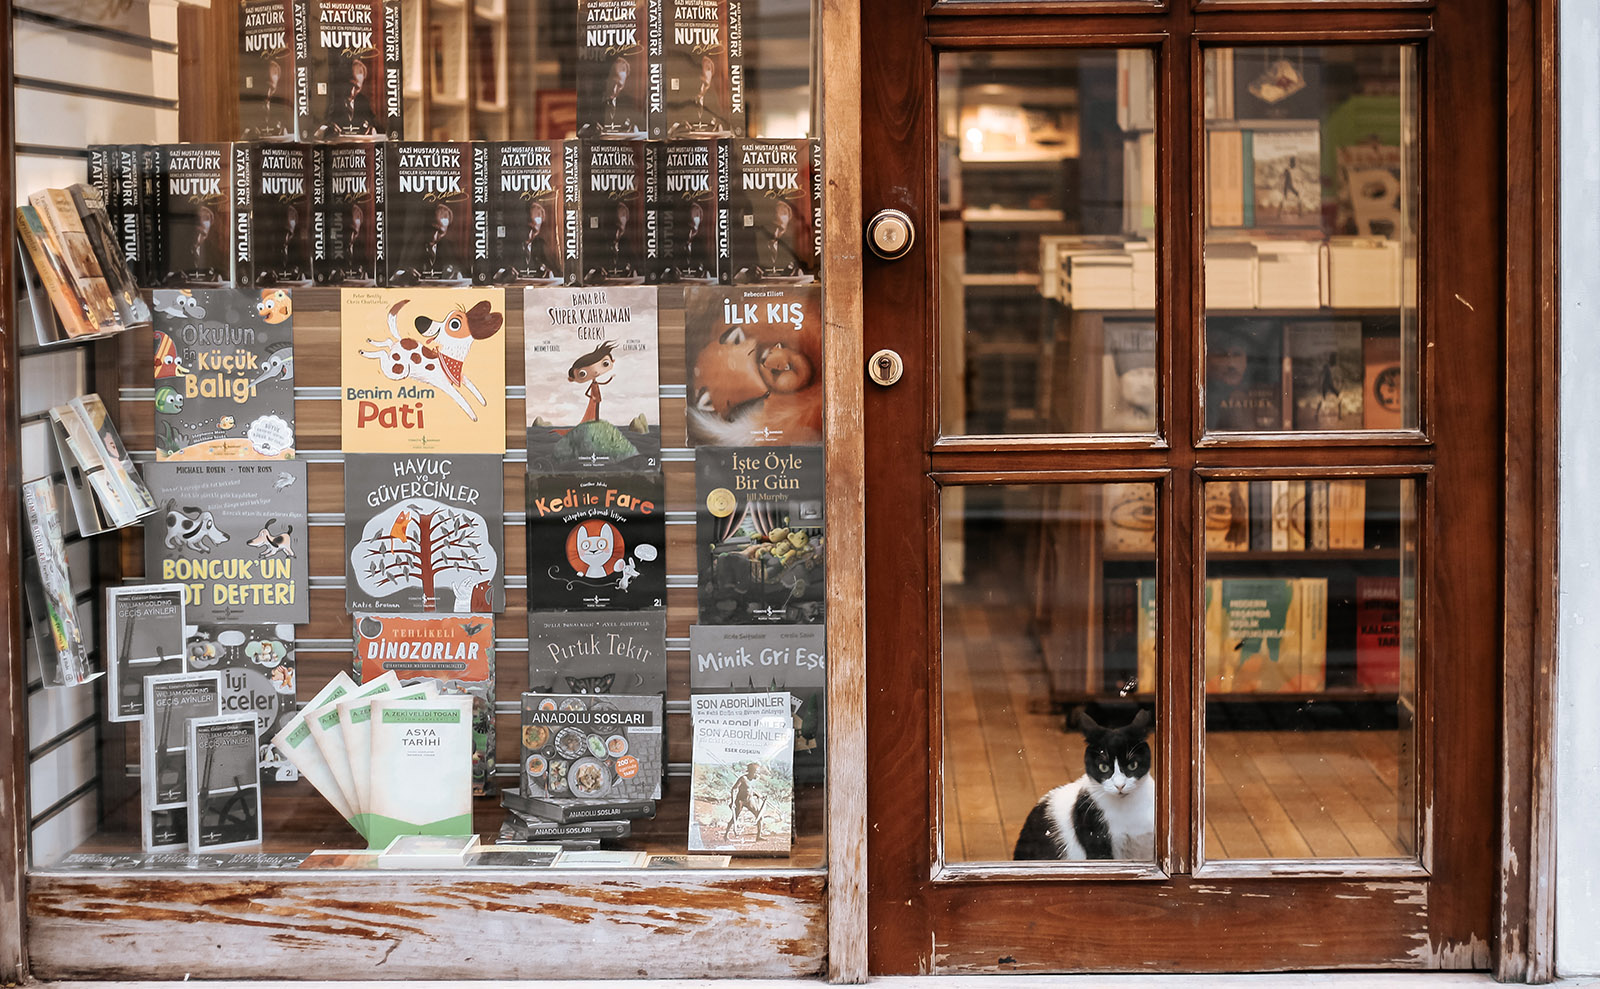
(1087, 725)
(1142, 722)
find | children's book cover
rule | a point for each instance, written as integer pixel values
(424, 533)
(760, 540)
(597, 750)
(224, 374)
(593, 384)
(595, 543)
(455, 651)
(257, 665)
(144, 637)
(752, 658)
(754, 365)
(742, 791)
(224, 792)
(235, 534)
(614, 652)
(424, 371)
(169, 702)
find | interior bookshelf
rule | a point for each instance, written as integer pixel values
(458, 67)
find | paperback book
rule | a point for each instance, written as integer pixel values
(1272, 635)
(272, 42)
(773, 658)
(295, 743)
(754, 365)
(596, 542)
(169, 703)
(272, 214)
(423, 371)
(224, 374)
(132, 311)
(114, 173)
(1378, 632)
(327, 733)
(593, 383)
(777, 210)
(610, 652)
(529, 213)
(1244, 375)
(429, 213)
(1128, 377)
(760, 540)
(703, 68)
(611, 190)
(569, 812)
(614, 84)
(224, 791)
(144, 637)
(76, 318)
(1383, 391)
(349, 227)
(1287, 183)
(1276, 83)
(106, 488)
(412, 851)
(741, 799)
(529, 827)
(348, 85)
(257, 665)
(688, 224)
(456, 652)
(68, 238)
(590, 757)
(63, 653)
(192, 216)
(1326, 374)
(355, 725)
(424, 533)
(1228, 516)
(422, 757)
(235, 535)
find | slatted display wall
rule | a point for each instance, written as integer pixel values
(86, 73)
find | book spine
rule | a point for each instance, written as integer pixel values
(656, 29)
(321, 263)
(103, 240)
(1313, 594)
(1219, 678)
(1378, 632)
(393, 74)
(71, 242)
(1247, 166)
(305, 125)
(736, 103)
(560, 812)
(484, 178)
(587, 831)
(1280, 515)
(1317, 515)
(129, 211)
(1358, 515)
(815, 147)
(1148, 636)
(1119, 636)
(1260, 515)
(103, 176)
(1297, 515)
(243, 250)
(74, 315)
(723, 164)
(154, 212)
(655, 166)
(571, 211)
(382, 159)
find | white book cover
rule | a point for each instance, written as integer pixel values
(144, 637)
(355, 717)
(599, 858)
(428, 851)
(327, 731)
(421, 768)
(297, 745)
(169, 702)
(224, 793)
(741, 796)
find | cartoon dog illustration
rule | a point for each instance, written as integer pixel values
(273, 545)
(193, 529)
(275, 305)
(181, 304)
(443, 365)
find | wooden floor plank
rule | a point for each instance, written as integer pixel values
(1255, 795)
(966, 761)
(1227, 818)
(990, 648)
(1307, 808)
(1310, 756)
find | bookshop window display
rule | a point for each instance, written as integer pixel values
(464, 472)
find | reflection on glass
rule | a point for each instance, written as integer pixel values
(1310, 668)
(1048, 672)
(1311, 193)
(1046, 242)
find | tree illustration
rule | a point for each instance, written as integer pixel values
(425, 544)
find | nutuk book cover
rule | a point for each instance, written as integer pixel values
(455, 651)
(755, 658)
(759, 535)
(424, 533)
(257, 665)
(223, 799)
(614, 84)
(144, 637)
(611, 189)
(224, 374)
(96, 221)
(614, 652)
(423, 370)
(596, 542)
(591, 750)
(349, 226)
(193, 215)
(272, 42)
(236, 535)
(703, 69)
(593, 383)
(429, 210)
(688, 221)
(754, 371)
(741, 797)
(528, 196)
(272, 215)
(777, 210)
(1326, 373)
(348, 88)
(169, 703)
(1244, 375)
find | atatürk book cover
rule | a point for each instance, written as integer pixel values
(614, 87)
(193, 218)
(277, 216)
(272, 42)
(429, 212)
(349, 85)
(611, 189)
(703, 69)
(595, 542)
(687, 227)
(424, 533)
(349, 226)
(777, 210)
(759, 533)
(525, 214)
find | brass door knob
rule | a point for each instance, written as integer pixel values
(890, 234)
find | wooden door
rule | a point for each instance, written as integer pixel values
(1202, 417)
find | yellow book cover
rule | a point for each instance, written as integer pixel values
(1148, 633)
(1219, 664)
(423, 370)
(1312, 593)
(1227, 516)
(1130, 517)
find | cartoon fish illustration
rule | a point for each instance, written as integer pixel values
(167, 364)
(279, 363)
(168, 400)
(283, 481)
(226, 422)
(275, 305)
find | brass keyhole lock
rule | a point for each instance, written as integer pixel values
(885, 367)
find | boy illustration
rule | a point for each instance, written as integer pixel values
(589, 368)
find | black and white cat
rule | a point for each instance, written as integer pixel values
(1107, 813)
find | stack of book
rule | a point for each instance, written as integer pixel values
(106, 488)
(77, 282)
